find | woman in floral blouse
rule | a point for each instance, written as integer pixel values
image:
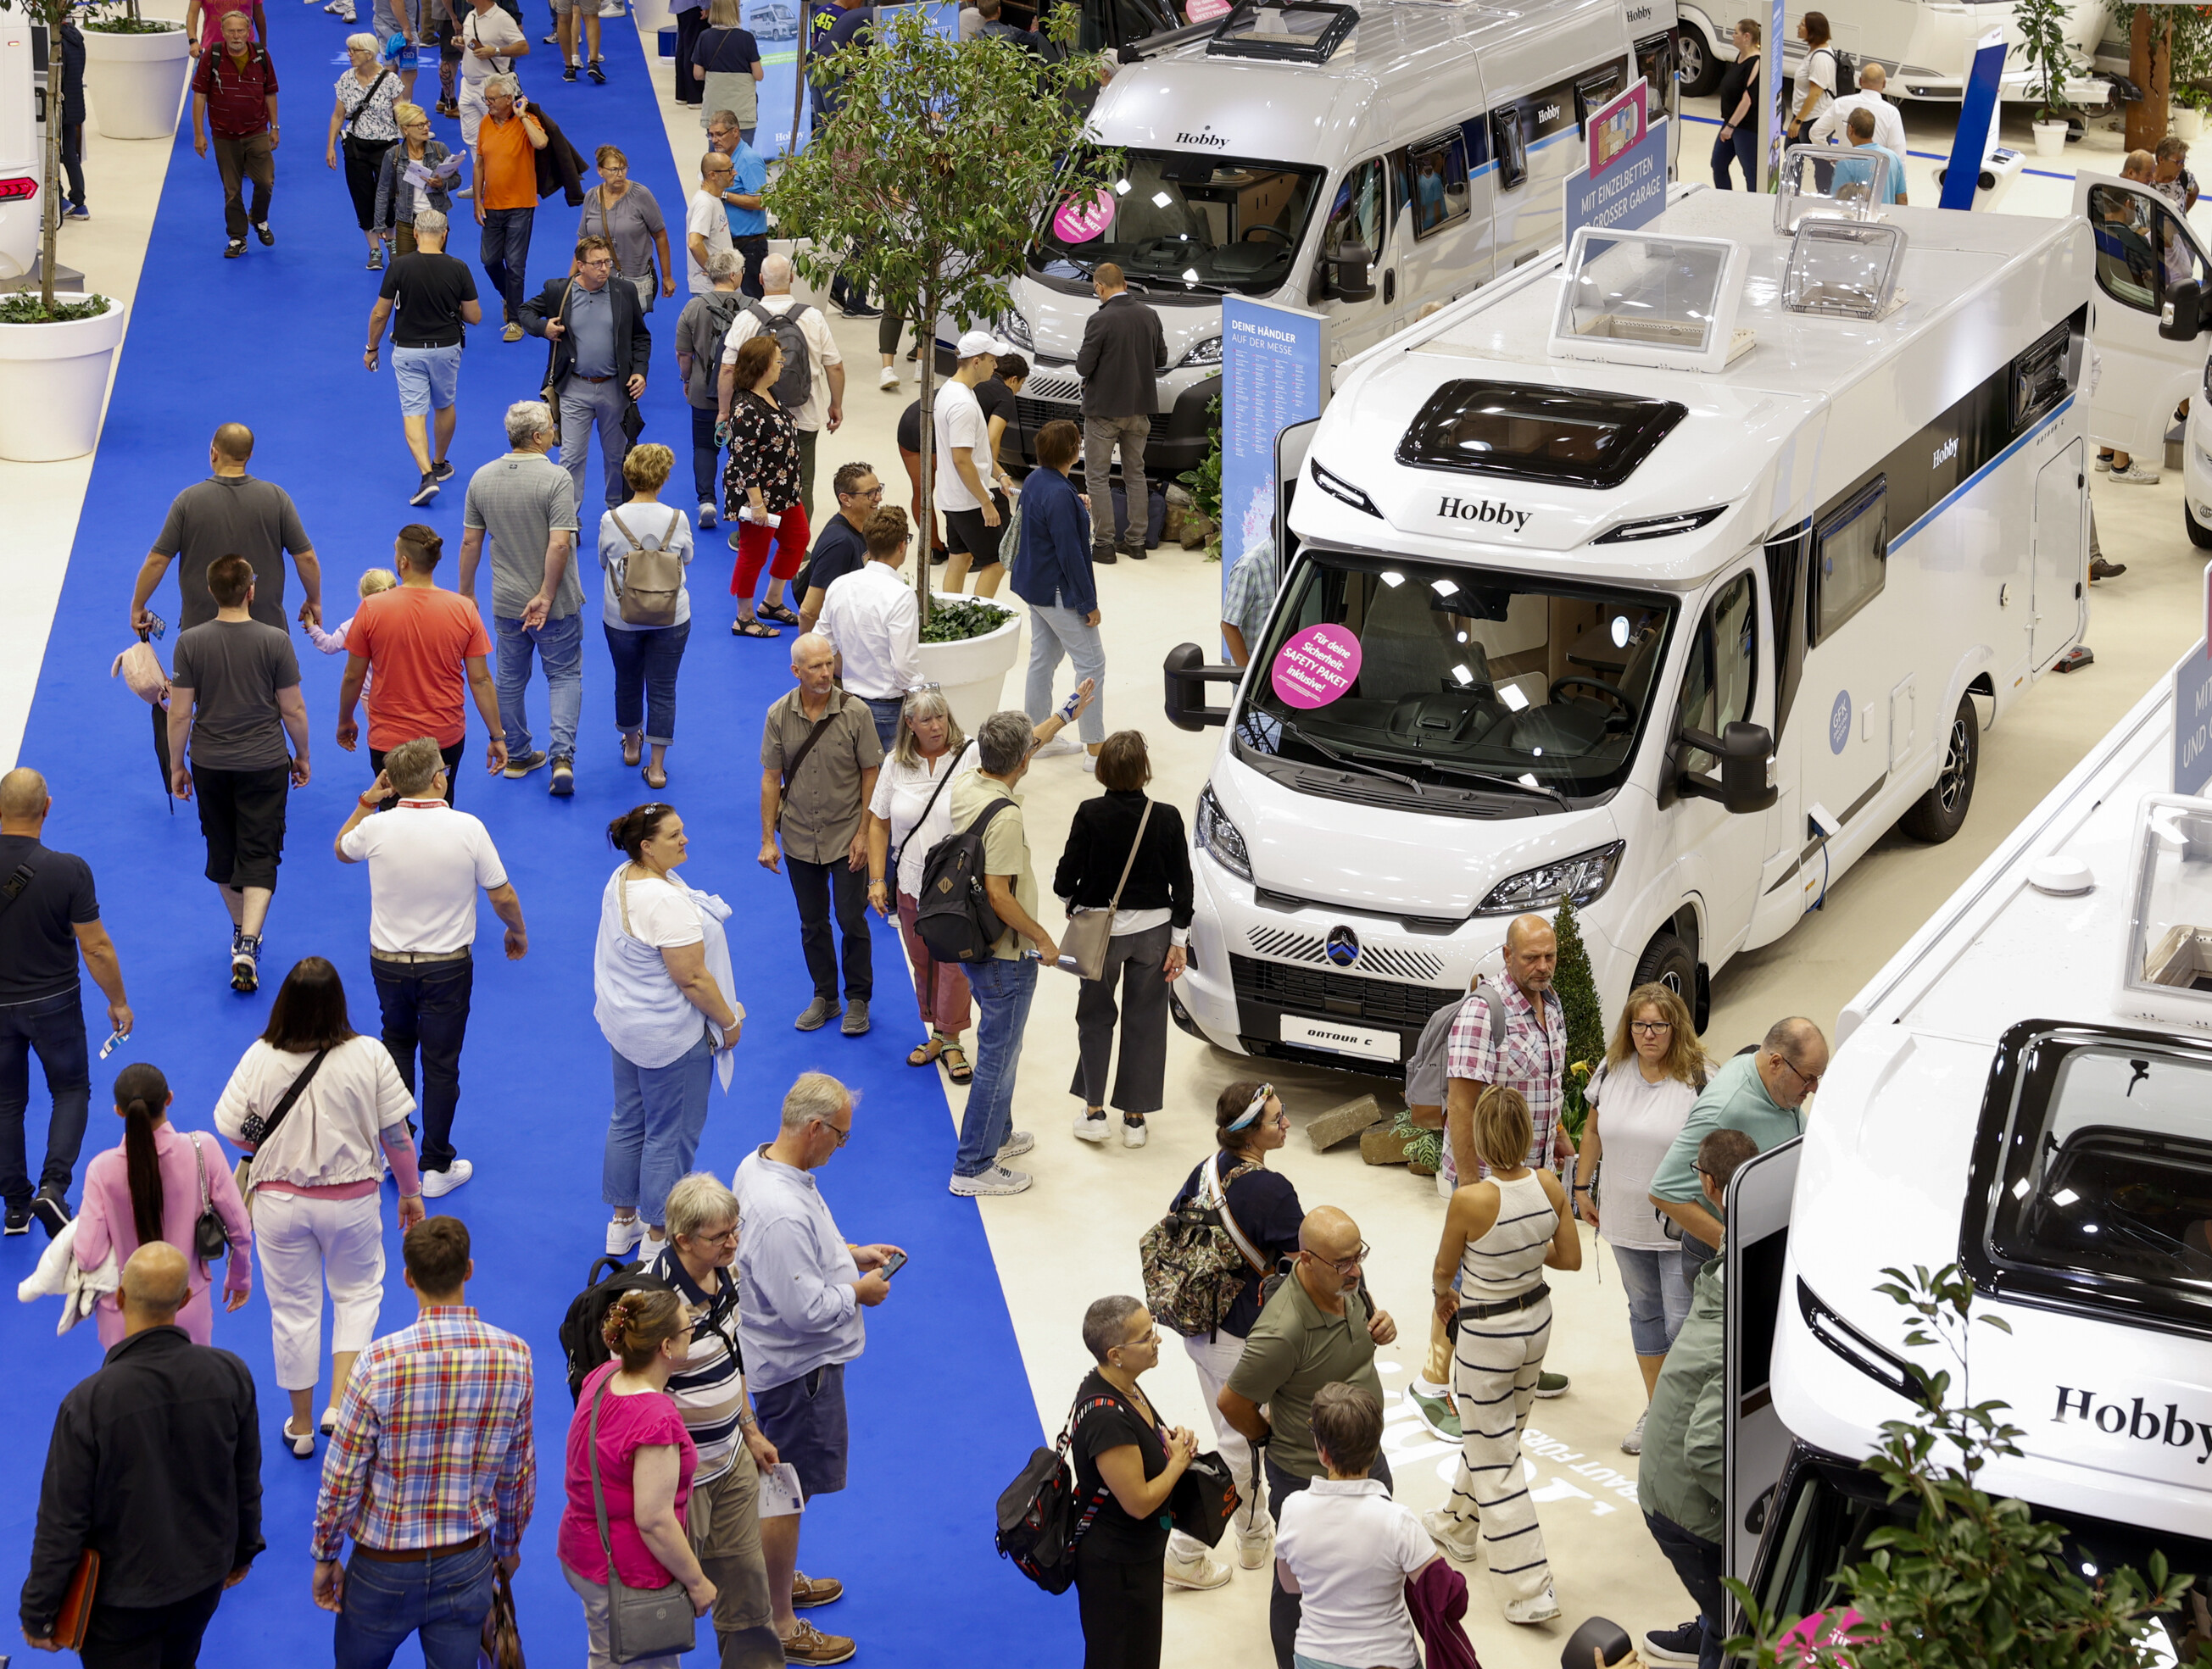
(762, 480)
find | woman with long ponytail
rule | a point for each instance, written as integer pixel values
(148, 1189)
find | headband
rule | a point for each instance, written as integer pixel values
(1266, 1094)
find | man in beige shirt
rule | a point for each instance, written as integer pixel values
(819, 756)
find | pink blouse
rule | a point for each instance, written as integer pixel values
(105, 1220)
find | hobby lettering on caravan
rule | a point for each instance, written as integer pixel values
(2116, 1420)
(1482, 510)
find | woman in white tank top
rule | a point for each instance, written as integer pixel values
(1500, 1235)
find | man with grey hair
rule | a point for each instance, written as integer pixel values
(699, 331)
(1004, 982)
(526, 504)
(806, 1286)
(794, 322)
(425, 862)
(434, 295)
(819, 756)
(507, 144)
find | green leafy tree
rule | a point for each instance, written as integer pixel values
(2042, 25)
(927, 183)
(1974, 1580)
(1578, 988)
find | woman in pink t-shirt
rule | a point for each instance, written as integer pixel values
(646, 1460)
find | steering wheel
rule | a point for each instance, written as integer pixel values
(1613, 690)
(1269, 231)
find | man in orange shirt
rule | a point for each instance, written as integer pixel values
(508, 140)
(424, 645)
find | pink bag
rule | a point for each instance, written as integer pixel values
(139, 667)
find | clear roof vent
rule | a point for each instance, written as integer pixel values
(1651, 298)
(1846, 268)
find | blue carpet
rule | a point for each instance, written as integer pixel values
(942, 1415)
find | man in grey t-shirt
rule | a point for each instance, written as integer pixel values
(235, 697)
(230, 514)
(526, 504)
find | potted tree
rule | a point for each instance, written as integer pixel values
(135, 72)
(2042, 25)
(925, 188)
(56, 348)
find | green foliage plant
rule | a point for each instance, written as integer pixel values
(960, 619)
(1577, 984)
(2042, 25)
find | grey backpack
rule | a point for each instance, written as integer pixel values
(794, 385)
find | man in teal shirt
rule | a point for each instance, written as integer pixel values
(1860, 135)
(1761, 1094)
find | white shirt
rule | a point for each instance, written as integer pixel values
(1351, 1549)
(1638, 1122)
(821, 347)
(1816, 67)
(658, 527)
(425, 861)
(709, 220)
(333, 1135)
(960, 423)
(1833, 127)
(493, 28)
(902, 791)
(641, 1011)
(872, 619)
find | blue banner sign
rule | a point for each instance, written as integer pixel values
(1632, 189)
(1274, 363)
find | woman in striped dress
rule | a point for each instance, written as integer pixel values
(1500, 1235)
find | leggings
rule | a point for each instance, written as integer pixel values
(753, 541)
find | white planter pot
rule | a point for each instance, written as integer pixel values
(2049, 139)
(53, 383)
(651, 15)
(2186, 124)
(137, 82)
(972, 672)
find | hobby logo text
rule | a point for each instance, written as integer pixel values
(1482, 510)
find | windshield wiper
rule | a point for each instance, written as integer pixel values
(1495, 781)
(1359, 765)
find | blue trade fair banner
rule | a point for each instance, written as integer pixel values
(1273, 362)
(1977, 112)
(1630, 190)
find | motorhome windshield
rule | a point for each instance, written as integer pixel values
(1178, 221)
(1425, 674)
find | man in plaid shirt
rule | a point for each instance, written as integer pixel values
(430, 1470)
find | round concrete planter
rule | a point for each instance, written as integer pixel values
(2049, 139)
(137, 82)
(53, 383)
(972, 672)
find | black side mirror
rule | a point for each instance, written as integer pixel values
(2181, 318)
(1746, 753)
(1187, 676)
(1355, 272)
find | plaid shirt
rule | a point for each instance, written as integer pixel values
(1529, 1058)
(433, 1442)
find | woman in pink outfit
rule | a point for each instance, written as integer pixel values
(150, 1188)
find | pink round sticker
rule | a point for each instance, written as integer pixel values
(1316, 666)
(1079, 223)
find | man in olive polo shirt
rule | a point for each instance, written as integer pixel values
(1318, 1329)
(819, 756)
(1762, 1093)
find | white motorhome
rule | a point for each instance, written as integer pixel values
(2024, 1089)
(22, 95)
(1678, 644)
(1364, 162)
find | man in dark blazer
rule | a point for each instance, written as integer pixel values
(600, 350)
(1122, 347)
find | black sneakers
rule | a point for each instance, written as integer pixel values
(52, 1211)
(428, 490)
(18, 1218)
(244, 963)
(442, 470)
(261, 231)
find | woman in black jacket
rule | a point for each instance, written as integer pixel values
(1151, 925)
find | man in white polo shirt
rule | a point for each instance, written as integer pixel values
(873, 619)
(426, 861)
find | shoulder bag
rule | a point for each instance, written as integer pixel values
(210, 1239)
(550, 393)
(353, 146)
(1083, 946)
(899, 852)
(641, 1623)
(257, 1130)
(649, 584)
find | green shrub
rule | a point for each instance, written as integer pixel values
(957, 621)
(24, 308)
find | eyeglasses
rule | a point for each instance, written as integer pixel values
(1341, 1266)
(875, 492)
(843, 1136)
(599, 264)
(1810, 1080)
(727, 1237)
(1151, 1338)
(1650, 1028)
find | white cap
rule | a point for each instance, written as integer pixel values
(980, 342)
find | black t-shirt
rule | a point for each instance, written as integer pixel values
(997, 401)
(429, 291)
(1266, 1207)
(38, 947)
(838, 549)
(725, 51)
(1114, 1534)
(1739, 75)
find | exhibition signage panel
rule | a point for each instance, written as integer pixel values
(2192, 709)
(1977, 112)
(1273, 361)
(1631, 187)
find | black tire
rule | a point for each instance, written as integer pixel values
(1697, 68)
(1669, 961)
(2199, 535)
(1941, 812)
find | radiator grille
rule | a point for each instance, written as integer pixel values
(1382, 960)
(1319, 991)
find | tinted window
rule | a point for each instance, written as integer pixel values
(1721, 674)
(1439, 185)
(1849, 553)
(2140, 248)
(1179, 222)
(1359, 214)
(1573, 437)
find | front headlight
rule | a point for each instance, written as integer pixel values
(1582, 879)
(1221, 837)
(1208, 352)
(1016, 329)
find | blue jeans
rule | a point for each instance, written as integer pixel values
(1055, 631)
(560, 646)
(425, 1006)
(660, 1113)
(1658, 1288)
(445, 1601)
(706, 455)
(1697, 1563)
(645, 678)
(54, 1027)
(1003, 990)
(1743, 149)
(506, 255)
(885, 710)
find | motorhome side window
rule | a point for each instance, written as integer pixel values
(2141, 250)
(1721, 678)
(1439, 185)
(1509, 137)
(1850, 551)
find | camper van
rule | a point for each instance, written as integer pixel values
(1924, 45)
(1678, 642)
(2026, 1089)
(1364, 162)
(22, 94)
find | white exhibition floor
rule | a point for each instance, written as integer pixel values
(1090, 1204)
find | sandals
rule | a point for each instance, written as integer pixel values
(649, 774)
(955, 1059)
(753, 628)
(777, 611)
(926, 1053)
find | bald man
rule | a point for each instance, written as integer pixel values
(155, 1465)
(49, 917)
(1833, 127)
(230, 514)
(1761, 1094)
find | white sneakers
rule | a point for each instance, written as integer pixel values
(1537, 1608)
(2134, 475)
(1252, 1547)
(436, 1185)
(1066, 743)
(997, 1180)
(1133, 1135)
(1203, 1572)
(1462, 1540)
(1633, 1443)
(889, 381)
(1090, 1126)
(623, 1235)
(1017, 1143)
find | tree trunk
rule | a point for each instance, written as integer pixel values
(2150, 64)
(925, 336)
(798, 98)
(50, 217)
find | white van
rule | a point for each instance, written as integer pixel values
(23, 92)
(1364, 162)
(1680, 645)
(2026, 1089)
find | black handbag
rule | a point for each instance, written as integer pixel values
(210, 1239)
(1204, 1500)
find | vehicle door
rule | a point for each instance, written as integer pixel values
(1448, 243)
(2061, 531)
(1857, 686)
(1757, 1443)
(2137, 378)
(1360, 214)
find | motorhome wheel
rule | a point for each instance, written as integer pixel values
(2199, 535)
(1941, 812)
(1668, 962)
(1698, 69)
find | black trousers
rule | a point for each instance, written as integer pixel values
(363, 159)
(451, 756)
(425, 1006)
(1283, 1609)
(242, 816)
(1120, 1603)
(73, 161)
(691, 24)
(149, 1637)
(815, 885)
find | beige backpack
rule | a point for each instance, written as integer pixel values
(649, 584)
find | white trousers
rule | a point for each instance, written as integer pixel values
(1215, 1358)
(471, 101)
(306, 1243)
(1495, 1368)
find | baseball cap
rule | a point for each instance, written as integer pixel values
(980, 342)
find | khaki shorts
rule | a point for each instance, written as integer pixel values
(723, 1520)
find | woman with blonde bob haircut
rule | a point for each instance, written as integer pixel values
(1639, 1102)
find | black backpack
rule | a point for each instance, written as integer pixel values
(794, 384)
(1034, 1531)
(953, 916)
(581, 1341)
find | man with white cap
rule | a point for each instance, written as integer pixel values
(791, 322)
(975, 513)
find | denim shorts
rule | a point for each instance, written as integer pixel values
(429, 378)
(804, 1418)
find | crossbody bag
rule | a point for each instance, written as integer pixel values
(257, 1131)
(641, 1623)
(929, 806)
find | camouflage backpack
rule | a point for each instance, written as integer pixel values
(1197, 1258)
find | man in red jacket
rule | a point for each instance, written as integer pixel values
(234, 94)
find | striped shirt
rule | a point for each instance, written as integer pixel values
(1529, 1058)
(433, 1442)
(1508, 1260)
(710, 1390)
